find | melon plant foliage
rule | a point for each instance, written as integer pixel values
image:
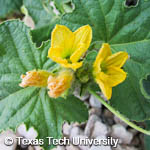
(22, 49)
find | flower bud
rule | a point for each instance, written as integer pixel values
(57, 85)
(35, 78)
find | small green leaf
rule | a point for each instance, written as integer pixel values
(65, 6)
(40, 11)
(91, 56)
(31, 106)
(44, 19)
(44, 16)
(43, 33)
(96, 45)
(145, 86)
(84, 73)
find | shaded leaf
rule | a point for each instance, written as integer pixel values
(145, 86)
(8, 6)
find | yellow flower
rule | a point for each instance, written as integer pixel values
(57, 85)
(107, 69)
(35, 78)
(68, 47)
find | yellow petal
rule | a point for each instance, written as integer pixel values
(83, 37)
(115, 76)
(117, 59)
(54, 54)
(62, 37)
(104, 52)
(107, 91)
(78, 53)
(73, 66)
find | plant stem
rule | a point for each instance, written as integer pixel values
(131, 124)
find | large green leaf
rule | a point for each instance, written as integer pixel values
(111, 21)
(127, 97)
(32, 106)
(125, 29)
(9, 6)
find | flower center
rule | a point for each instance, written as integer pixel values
(103, 67)
(68, 59)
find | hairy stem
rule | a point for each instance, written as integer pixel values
(123, 118)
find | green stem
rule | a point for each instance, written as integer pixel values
(131, 124)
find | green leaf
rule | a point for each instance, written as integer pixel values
(43, 33)
(91, 56)
(64, 6)
(125, 29)
(30, 105)
(127, 97)
(34, 107)
(8, 6)
(84, 74)
(145, 86)
(40, 11)
(44, 19)
(110, 20)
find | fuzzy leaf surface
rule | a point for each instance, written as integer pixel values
(31, 106)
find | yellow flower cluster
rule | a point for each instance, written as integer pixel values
(68, 48)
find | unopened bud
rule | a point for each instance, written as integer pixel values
(57, 85)
(35, 78)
